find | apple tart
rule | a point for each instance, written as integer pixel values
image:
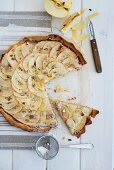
(24, 70)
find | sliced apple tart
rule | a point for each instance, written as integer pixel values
(75, 116)
(24, 70)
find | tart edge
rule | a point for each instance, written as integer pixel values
(23, 126)
(51, 37)
(88, 122)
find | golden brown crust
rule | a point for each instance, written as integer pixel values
(13, 46)
(51, 37)
(94, 113)
(23, 126)
(78, 134)
(88, 122)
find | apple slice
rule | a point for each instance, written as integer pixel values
(64, 3)
(55, 9)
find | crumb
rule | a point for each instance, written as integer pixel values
(63, 110)
(60, 97)
(60, 89)
(72, 98)
(69, 139)
(49, 88)
(63, 138)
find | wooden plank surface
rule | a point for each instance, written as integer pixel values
(6, 160)
(27, 160)
(100, 97)
(63, 154)
(6, 5)
(62, 159)
(29, 5)
(100, 133)
(68, 159)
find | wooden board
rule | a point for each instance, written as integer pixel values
(101, 86)
(100, 133)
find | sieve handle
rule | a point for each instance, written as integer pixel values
(79, 146)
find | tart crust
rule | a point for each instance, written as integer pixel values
(23, 126)
(88, 122)
(51, 37)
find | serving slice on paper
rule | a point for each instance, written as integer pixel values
(75, 116)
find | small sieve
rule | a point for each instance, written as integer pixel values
(47, 147)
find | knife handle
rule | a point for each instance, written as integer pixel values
(96, 56)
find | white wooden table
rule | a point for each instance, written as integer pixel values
(100, 133)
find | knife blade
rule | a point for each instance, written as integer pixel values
(94, 47)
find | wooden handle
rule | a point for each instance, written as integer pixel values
(96, 56)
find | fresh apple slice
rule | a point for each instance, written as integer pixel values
(70, 21)
(55, 9)
(64, 3)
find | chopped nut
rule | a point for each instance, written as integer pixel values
(26, 120)
(20, 69)
(82, 114)
(60, 89)
(9, 98)
(31, 116)
(49, 116)
(72, 98)
(27, 43)
(8, 77)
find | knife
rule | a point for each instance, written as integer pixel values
(94, 47)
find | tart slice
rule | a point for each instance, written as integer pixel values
(75, 116)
